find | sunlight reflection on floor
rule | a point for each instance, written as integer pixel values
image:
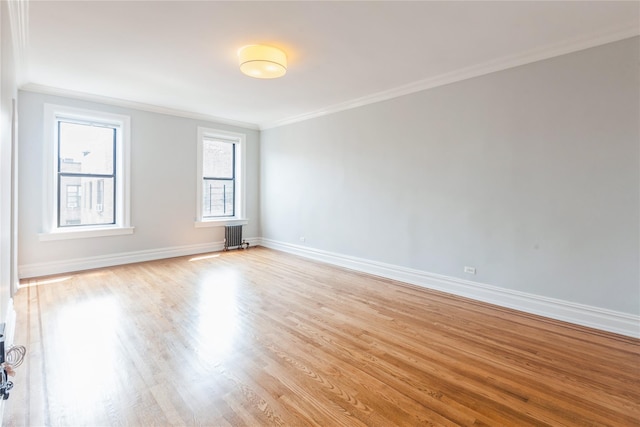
(29, 283)
(218, 307)
(87, 338)
(199, 258)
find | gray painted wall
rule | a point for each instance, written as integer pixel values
(163, 184)
(531, 175)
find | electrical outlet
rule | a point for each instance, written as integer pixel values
(303, 239)
(470, 270)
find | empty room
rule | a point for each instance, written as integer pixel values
(332, 213)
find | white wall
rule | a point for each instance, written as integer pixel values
(163, 191)
(8, 93)
(531, 175)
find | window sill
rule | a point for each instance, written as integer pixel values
(84, 233)
(220, 222)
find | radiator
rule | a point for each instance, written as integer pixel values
(233, 237)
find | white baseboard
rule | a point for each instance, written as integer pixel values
(79, 264)
(253, 241)
(580, 314)
(594, 317)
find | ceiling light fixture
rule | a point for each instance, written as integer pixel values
(262, 62)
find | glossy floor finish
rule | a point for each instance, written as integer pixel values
(259, 337)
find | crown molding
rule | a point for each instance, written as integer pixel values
(19, 26)
(48, 90)
(19, 23)
(504, 63)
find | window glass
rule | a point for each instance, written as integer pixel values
(86, 148)
(218, 198)
(218, 188)
(86, 158)
(218, 159)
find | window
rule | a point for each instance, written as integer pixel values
(89, 153)
(220, 183)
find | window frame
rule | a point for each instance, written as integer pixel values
(239, 141)
(53, 114)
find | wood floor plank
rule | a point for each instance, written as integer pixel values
(259, 337)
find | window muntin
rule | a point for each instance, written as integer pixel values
(86, 155)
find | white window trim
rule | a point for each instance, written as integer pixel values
(122, 226)
(240, 139)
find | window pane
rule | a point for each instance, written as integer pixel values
(86, 149)
(217, 158)
(76, 211)
(217, 198)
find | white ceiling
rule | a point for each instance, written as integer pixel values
(181, 55)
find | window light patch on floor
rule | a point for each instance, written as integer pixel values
(199, 258)
(28, 283)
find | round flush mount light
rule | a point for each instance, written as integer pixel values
(262, 62)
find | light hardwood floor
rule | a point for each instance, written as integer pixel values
(259, 337)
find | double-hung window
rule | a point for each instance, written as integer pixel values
(220, 177)
(88, 180)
